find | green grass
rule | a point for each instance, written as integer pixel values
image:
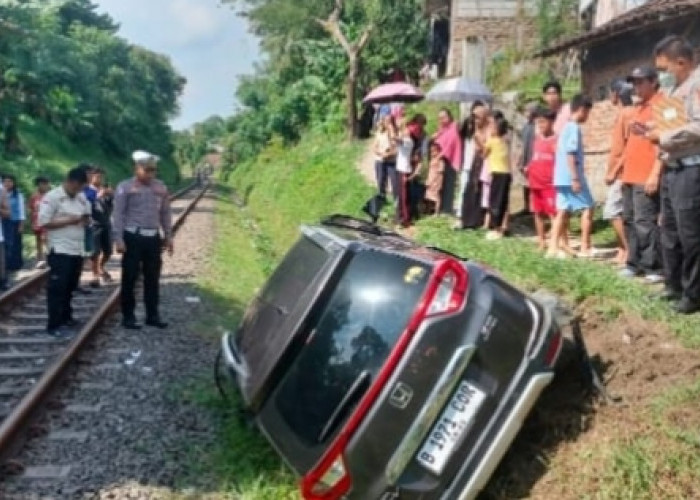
(257, 219)
(577, 280)
(258, 216)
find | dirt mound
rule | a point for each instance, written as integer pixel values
(567, 438)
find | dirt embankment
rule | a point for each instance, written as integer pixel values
(564, 449)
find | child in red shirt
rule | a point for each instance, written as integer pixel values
(540, 173)
(42, 187)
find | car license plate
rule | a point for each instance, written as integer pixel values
(451, 427)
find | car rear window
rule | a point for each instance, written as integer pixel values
(280, 295)
(354, 333)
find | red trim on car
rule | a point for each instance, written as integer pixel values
(310, 483)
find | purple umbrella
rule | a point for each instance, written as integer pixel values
(394, 92)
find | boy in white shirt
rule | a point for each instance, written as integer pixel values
(404, 169)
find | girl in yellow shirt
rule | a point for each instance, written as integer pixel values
(496, 150)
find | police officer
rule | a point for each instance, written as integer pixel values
(64, 213)
(680, 185)
(141, 210)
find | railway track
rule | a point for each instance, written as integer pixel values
(32, 363)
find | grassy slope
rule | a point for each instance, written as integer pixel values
(282, 189)
(288, 186)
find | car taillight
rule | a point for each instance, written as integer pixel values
(445, 294)
(553, 349)
(449, 296)
(329, 481)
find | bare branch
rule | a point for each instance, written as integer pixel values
(364, 38)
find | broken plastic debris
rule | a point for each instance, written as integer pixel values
(193, 300)
(132, 358)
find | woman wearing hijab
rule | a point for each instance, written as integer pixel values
(474, 133)
(450, 141)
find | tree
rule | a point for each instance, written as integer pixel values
(353, 50)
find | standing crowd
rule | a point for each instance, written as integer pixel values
(653, 202)
(79, 222)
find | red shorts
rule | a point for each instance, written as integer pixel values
(543, 201)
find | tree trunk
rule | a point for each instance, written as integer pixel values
(351, 92)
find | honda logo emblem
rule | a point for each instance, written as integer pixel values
(401, 396)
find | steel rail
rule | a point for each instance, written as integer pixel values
(12, 425)
(37, 280)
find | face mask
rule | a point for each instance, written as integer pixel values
(667, 80)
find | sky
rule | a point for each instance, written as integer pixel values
(208, 44)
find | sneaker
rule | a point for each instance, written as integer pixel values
(687, 306)
(668, 296)
(60, 333)
(71, 323)
(653, 278)
(627, 273)
(560, 255)
(157, 323)
(493, 236)
(131, 324)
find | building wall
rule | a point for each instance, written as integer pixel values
(601, 64)
(499, 23)
(496, 33)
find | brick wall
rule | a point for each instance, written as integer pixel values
(615, 58)
(497, 34)
(597, 141)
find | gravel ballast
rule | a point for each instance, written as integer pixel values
(120, 429)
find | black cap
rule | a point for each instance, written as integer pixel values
(642, 73)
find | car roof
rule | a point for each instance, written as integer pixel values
(348, 232)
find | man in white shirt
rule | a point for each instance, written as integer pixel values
(63, 214)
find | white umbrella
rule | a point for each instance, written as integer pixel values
(459, 90)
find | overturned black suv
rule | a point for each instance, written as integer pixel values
(383, 369)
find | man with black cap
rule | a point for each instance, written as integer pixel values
(680, 186)
(641, 175)
(141, 211)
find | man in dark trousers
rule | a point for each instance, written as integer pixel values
(64, 213)
(141, 210)
(679, 77)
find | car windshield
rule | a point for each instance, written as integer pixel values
(350, 341)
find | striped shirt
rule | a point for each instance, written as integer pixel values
(143, 206)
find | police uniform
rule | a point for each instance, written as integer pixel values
(680, 197)
(65, 247)
(140, 212)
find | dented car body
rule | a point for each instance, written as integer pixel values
(383, 369)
